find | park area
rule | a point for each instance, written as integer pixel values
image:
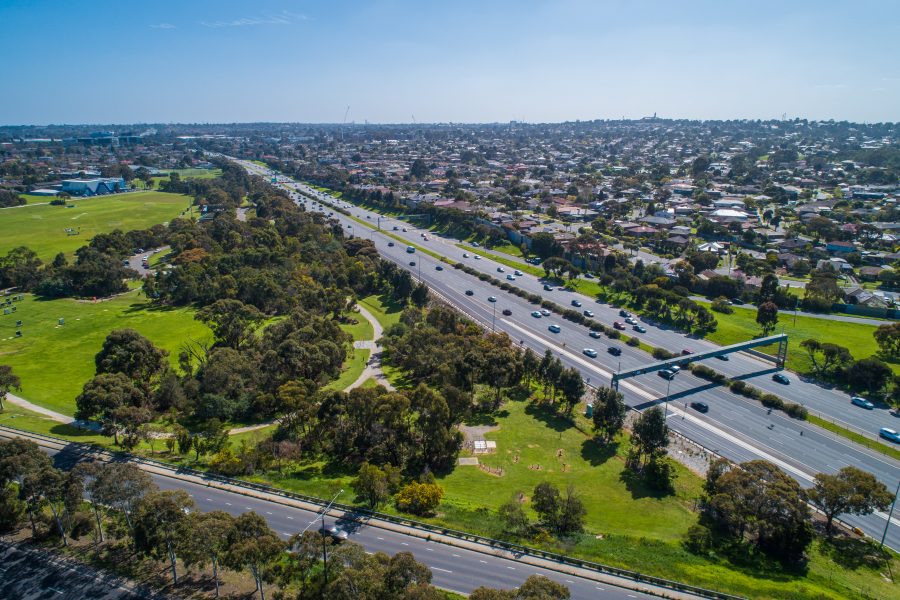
(54, 360)
(49, 229)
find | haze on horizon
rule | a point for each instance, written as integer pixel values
(394, 61)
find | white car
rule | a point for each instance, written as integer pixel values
(536, 314)
(545, 312)
(511, 277)
(590, 352)
(477, 257)
(518, 273)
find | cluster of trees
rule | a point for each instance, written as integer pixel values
(94, 273)
(834, 362)
(559, 513)
(669, 306)
(9, 198)
(117, 502)
(757, 503)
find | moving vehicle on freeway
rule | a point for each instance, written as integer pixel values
(492, 298)
(639, 328)
(779, 378)
(536, 314)
(507, 312)
(618, 325)
(595, 334)
(548, 287)
(667, 374)
(390, 244)
(614, 350)
(889, 434)
(588, 313)
(590, 352)
(545, 312)
(554, 328)
(862, 402)
(439, 268)
(700, 406)
(576, 303)
(410, 249)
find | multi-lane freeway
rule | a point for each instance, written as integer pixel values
(735, 427)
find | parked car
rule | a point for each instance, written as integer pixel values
(469, 292)
(588, 313)
(576, 303)
(554, 328)
(860, 401)
(614, 350)
(779, 378)
(618, 325)
(667, 374)
(595, 334)
(640, 328)
(889, 434)
(507, 312)
(492, 298)
(700, 406)
(590, 352)
(536, 314)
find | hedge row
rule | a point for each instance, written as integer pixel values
(737, 386)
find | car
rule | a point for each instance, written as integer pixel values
(469, 292)
(396, 228)
(595, 334)
(590, 352)
(476, 257)
(640, 328)
(439, 268)
(548, 287)
(618, 325)
(412, 263)
(422, 234)
(860, 401)
(474, 244)
(501, 270)
(425, 237)
(779, 378)
(686, 352)
(507, 312)
(576, 303)
(335, 533)
(588, 313)
(667, 374)
(889, 434)
(125, 262)
(411, 249)
(700, 406)
(624, 313)
(614, 350)
(518, 273)
(675, 368)
(631, 321)
(554, 328)
(511, 277)
(723, 357)
(545, 312)
(404, 229)
(465, 255)
(391, 244)
(536, 314)
(492, 298)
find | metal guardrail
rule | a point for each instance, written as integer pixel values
(356, 512)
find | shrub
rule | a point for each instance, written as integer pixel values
(534, 298)
(547, 304)
(796, 411)
(772, 401)
(505, 286)
(722, 305)
(634, 342)
(613, 334)
(419, 498)
(484, 276)
(662, 354)
(737, 386)
(698, 539)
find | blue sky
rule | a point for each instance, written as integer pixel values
(124, 61)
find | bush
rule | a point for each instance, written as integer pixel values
(722, 305)
(505, 286)
(737, 386)
(419, 498)
(662, 354)
(547, 304)
(633, 342)
(534, 298)
(484, 276)
(613, 334)
(772, 401)
(698, 539)
(796, 411)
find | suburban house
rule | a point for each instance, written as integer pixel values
(838, 247)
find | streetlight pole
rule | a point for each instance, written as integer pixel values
(668, 383)
(324, 548)
(888, 523)
(494, 317)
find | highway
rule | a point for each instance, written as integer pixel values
(454, 568)
(735, 427)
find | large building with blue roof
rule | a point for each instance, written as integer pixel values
(93, 187)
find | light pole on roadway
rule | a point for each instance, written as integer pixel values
(888, 522)
(494, 317)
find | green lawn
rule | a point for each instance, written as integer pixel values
(54, 360)
(352, 369)
(43, 227)
(385, 310)
(362, 330)
(741, 326)
(32, 199)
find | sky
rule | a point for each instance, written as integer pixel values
(202, 61)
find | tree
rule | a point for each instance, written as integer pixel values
(419, 295)
(21, 459)
(252, 545)
(826, 357)
(373, 484)
(513, 516)
(886, 336)
(232, 321)
(572, 387)
(650, 437)
(608, 413)
(563, 514)
(419, 498)
(538, 587)
(121, 485)
(767, 316)
(8, 381)
(203, 539)
(418, 169)
(102, 398)
(768, 290)
(869, 374)
(48, 485)
(545, 500)
(298, 564)
(850, 491)
(159, 521)
(128, 352)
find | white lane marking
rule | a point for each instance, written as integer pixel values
(380, 538)
(599, 588)
(456, 556)
(511, 568)
(268, 513)
(429, 549)
(285, 533)
(228, 504)
(440, 569)
(569, 581)
(404, 544)
(209, 499)
(248, 508)
(483, 562)
(291, 518)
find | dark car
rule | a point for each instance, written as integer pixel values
(614, 350)
(700, 406)
(507, 312)
(391, 244)
(576, 303)
(439, 268)
(779, 378)
(412, 263)
(548, 287)
(667, 374)
(469, 293)
(685, 352)
(722, 357)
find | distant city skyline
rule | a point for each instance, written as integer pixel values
(107, 62)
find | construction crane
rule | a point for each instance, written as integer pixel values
(346, 112)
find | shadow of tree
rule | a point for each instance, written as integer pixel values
(549, 417)
(596, 453)
(637, 485)
(852, 553)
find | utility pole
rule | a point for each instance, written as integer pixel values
(888, 522)
(324, 547)
(494, 317)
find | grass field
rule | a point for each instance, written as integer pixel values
(352, 369)
(43, 228)
(54, 360)
(362, 330)
(385, 310)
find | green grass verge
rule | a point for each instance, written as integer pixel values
(352, 369)
(854, 437)
(55, 360)
(361, 330)
(385, 310)
(43, 227)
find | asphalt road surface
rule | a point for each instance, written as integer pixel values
(735, 427)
